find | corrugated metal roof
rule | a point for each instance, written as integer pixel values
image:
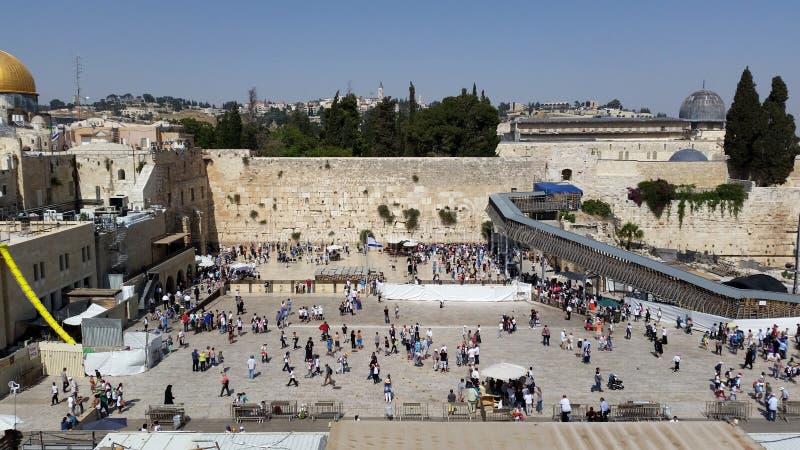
(505, 206)
(179, 440)
(550, 435)
(580, 119)
(777, 441)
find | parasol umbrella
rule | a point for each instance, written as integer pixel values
(334, 247)
(411, 243)
(504, 371)
(7, 421)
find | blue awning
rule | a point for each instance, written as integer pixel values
(556, 188)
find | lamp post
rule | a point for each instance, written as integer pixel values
(14, 386)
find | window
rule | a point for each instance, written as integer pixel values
(41, 269)
(83, 254)
(191, 193)
(61, 262)
(143, 143)
(88, 252)
(181, 197)
(66, 260)
(35, 272)
(202, 192)
(3, 190)
(121, 174)
(655, 155)
(87, 282)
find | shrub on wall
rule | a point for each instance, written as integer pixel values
(447, 216)
(296, 236)
(658, 195)
(597, 208)
(253, 214)
(411, 215)
(385, 213)
(566, 215)
(487, 228)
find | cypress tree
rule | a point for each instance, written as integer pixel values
(743, 127)
(777, 147)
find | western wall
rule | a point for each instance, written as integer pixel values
(333, 199)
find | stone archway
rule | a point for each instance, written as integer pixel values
(169, 285)
(180, 280)
(189, 275)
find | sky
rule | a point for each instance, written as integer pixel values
(646, 54)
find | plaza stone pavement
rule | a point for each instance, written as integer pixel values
(556, 371)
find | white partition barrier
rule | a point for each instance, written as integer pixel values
(457, 292)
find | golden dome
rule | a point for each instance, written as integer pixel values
(14, 76)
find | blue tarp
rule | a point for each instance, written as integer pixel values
(556, 188)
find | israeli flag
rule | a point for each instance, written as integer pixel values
(371, 242)
(55, 135)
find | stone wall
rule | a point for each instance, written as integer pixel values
(764, 230)
(333, 199)
(635, 149)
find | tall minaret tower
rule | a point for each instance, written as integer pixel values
(380, 90)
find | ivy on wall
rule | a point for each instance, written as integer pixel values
(658, 195)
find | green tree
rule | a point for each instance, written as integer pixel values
(203, 132)
(229, 130)
(630, 232)
(406, 122)
(148, 98)
(456, 126)
(57, 104)
(744, 124)
(381, 131)
(503, 109)
(613, 104)
(776, 148)
(341, 123)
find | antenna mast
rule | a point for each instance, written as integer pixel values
(78, 72)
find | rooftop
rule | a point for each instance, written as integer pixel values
(580, 119)
(16, 232)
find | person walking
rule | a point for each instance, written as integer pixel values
(539, 400)
(598, 381)
(54, 399)
(292, 378)
(225, 385)
(64, 380)
(251, 367)
(677, 361)
(772, 407)
(546, 336)
(169, 399)
(286, 367)
(328, 376)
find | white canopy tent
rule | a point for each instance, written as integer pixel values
(93, 310)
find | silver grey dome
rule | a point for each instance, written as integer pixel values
(688, 155)
(703, 106)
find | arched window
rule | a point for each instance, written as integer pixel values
(120, 174)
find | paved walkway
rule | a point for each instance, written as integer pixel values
(557, 371)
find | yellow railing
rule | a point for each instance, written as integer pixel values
(26, 289)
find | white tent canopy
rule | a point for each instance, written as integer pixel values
(93, 310)
(457, 292)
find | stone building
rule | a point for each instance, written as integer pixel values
(54, 257)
